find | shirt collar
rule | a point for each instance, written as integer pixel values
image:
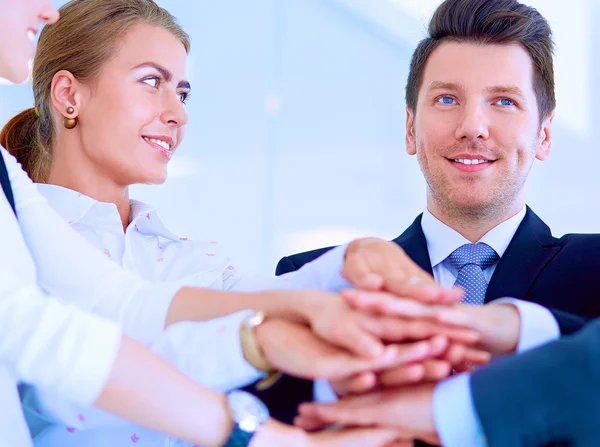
(442, 240)
(72, 206)
(69, 204)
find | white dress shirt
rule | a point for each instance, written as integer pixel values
(455, 417)
(209, 352)
(44, 340)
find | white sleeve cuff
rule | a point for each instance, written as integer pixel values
(324, 273)
(538, 325)
(454, 414)
(210, 352)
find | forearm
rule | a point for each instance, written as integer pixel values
(145, 389)
(194, 304)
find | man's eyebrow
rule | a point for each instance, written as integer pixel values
(506, 89)
(165, 73)
(439, 85)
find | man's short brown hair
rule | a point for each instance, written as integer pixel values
(494, 22)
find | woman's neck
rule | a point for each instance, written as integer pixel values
(85, 177)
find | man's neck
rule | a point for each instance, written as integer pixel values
(473, 224)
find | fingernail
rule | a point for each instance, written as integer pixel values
(415, 280)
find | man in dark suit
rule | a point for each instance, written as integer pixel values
(480, 104)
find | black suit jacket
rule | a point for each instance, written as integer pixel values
(5, 182)
(545, 397)
(560, 274)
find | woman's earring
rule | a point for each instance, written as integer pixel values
(70, 123)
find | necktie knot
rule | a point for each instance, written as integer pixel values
(480, 254)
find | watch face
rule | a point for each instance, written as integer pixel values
(248, 411)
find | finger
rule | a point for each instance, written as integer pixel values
(459, 335)
(371, 281)
(453, 315)
(394, 355)
(358, 384)
(455, 354)
(387, 304)
(309, 424)
(458, 354)
(396, 329)
(357, 437)
(360, 274)
(402, 375)
(423, 290)
(401, 443)
(436, 370)
(438, 345)
(476, 356)
(351, 336)
(346, 412)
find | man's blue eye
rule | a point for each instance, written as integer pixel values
(446, 100)
(506, 102)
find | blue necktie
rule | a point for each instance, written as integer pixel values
(470, 260)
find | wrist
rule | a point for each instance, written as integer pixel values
(510, 319)
(273, 433)
(288, 304)
(253, 340)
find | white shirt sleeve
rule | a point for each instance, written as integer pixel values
(538, 325)
(53, 345)
(209, 352)
(454, 414)
(69, 267)
(324, 273)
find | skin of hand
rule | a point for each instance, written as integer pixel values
(376, 264)
(409, 410)
(363, 333)
(418, 320)
(498, 324)
(273, 433)
(457, 357)
(294, 349)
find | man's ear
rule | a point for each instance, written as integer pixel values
(65, 92)
(411, 144)
(545, 138)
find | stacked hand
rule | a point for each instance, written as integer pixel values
(383, 346)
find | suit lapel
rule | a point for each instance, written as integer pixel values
(414, 244)
(530, 250)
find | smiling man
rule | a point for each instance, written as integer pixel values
(480, 104)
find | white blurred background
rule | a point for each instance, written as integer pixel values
(296, 133)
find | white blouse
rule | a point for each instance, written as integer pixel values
(44, 340)
(209, 352)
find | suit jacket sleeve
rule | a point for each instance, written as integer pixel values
(285, 265)
(547, 396)
(569, 323)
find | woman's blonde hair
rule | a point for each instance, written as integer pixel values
(83, 39)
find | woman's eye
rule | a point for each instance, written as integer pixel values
(446, 100)
(153, 81)
(184, 97)
(505, 102)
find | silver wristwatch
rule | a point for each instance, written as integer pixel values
(249, 413)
